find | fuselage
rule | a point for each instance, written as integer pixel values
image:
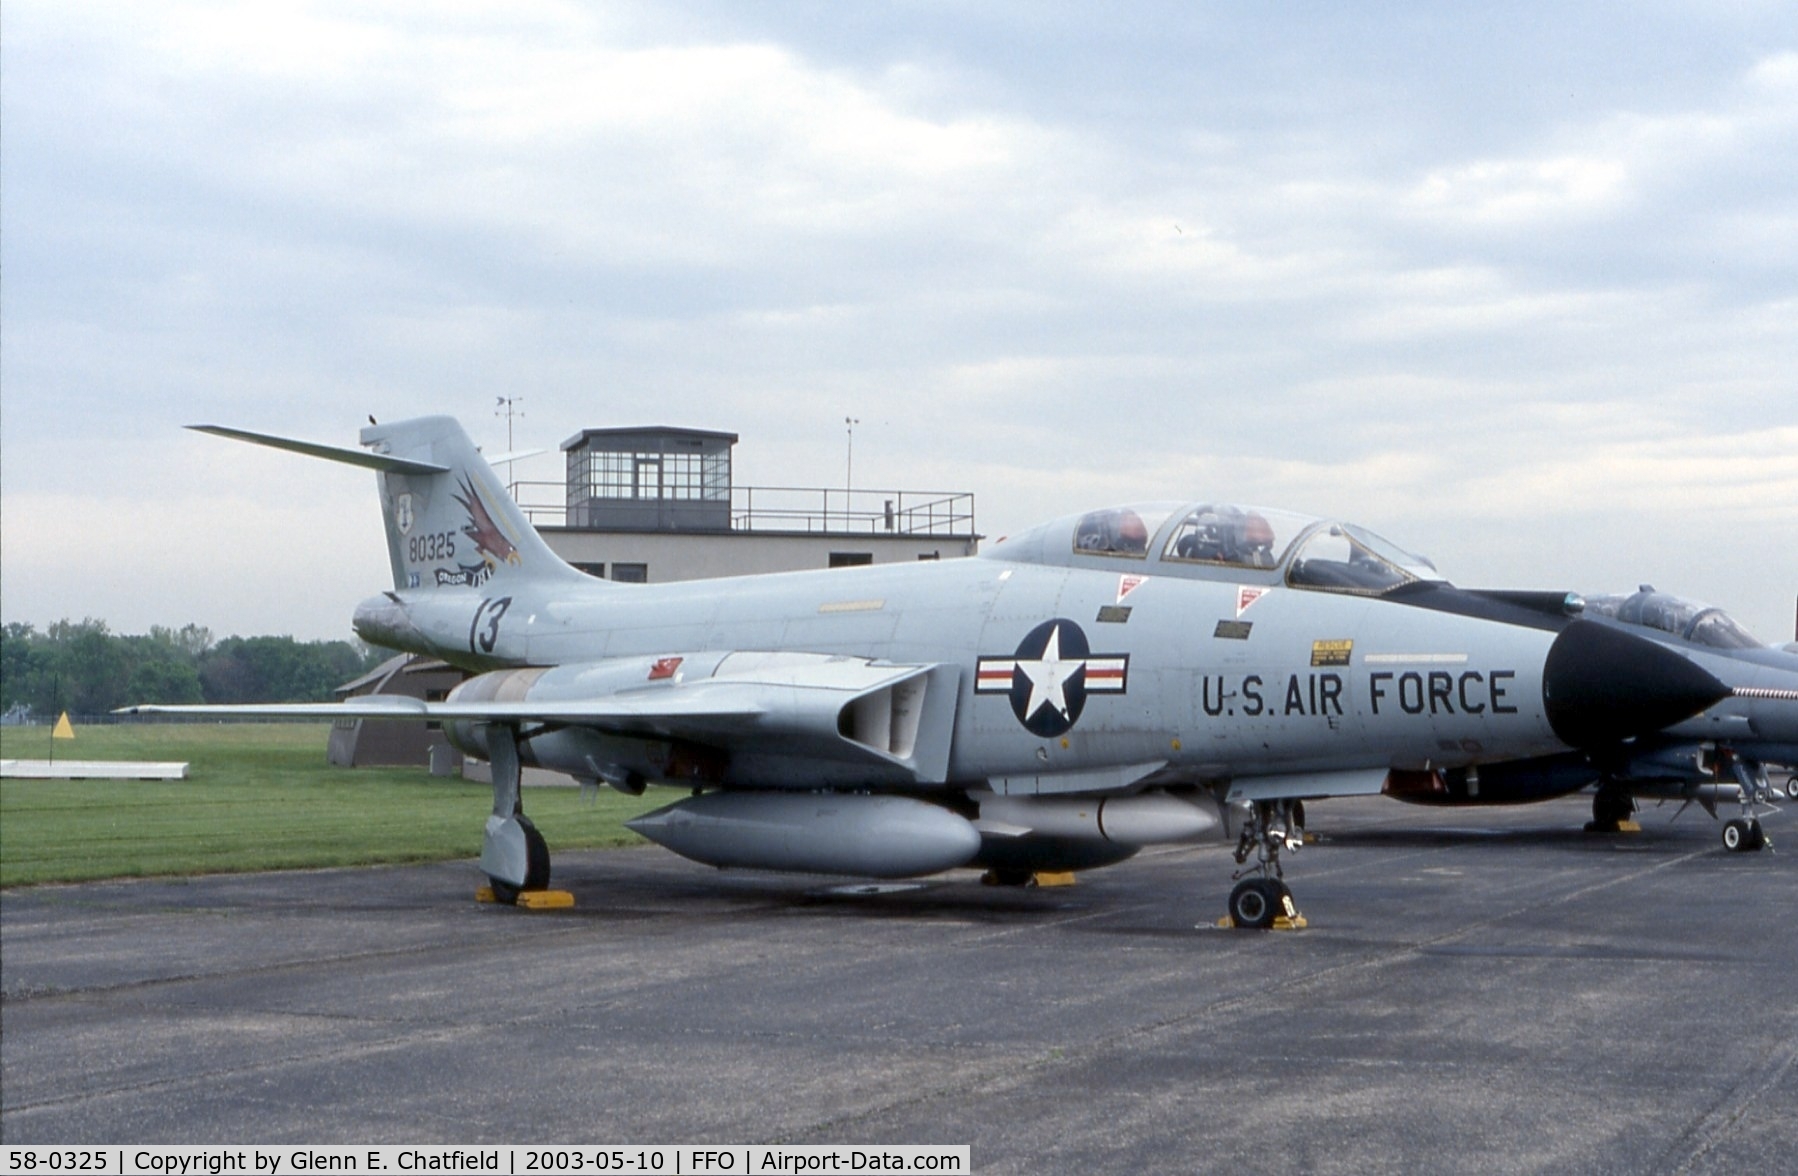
(1162, 661)
(1150, 670)
(1156, 642)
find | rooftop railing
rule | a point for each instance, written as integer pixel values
(817, 510)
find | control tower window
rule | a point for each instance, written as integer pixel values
(701, 477)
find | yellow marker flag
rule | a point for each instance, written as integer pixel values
(63, 729)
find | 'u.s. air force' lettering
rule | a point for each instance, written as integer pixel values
(1437, 692)
(1050, 676)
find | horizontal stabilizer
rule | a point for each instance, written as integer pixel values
(355, 457)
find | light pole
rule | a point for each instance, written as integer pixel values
(849, 470)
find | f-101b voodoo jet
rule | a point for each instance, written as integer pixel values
(1100, 683)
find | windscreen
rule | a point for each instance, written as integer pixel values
(1698, 623)
(1345, 558)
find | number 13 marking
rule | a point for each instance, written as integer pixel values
(482, 640)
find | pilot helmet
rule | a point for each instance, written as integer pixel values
(1257, 532)
(1131, 533)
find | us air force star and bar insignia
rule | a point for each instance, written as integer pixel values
(1050, 676)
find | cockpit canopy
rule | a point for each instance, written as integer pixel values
(1235, 536)
(1209, 540)
(1698, 623)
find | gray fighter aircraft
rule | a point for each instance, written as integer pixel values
(1097, 684)
(1718, 756)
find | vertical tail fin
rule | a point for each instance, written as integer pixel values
(450, 522)
(456, 526)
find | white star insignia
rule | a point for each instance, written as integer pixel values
(1049, 676)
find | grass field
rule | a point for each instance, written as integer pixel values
(258, 797)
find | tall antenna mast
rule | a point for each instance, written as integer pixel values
(508, 408)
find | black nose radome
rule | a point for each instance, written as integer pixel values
(1600, 685)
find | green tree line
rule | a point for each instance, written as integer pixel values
(85, 668)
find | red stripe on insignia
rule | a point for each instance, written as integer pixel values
(994, 675)
(1107, 674)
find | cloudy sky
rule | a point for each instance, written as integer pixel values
(1516, 287)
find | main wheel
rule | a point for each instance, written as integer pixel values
(1611, 807)
(1735, 835)
(536, 870)
(1254, 903)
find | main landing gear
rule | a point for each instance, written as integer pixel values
(1261, 899)
(1613, 810)
(514, 856)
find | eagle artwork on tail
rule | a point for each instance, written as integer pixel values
(488, 538)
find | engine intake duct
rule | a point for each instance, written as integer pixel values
(886, 720)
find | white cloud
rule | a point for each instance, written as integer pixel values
(1523, 191)
(1032, 278)
(1471, 299)
(693, 154)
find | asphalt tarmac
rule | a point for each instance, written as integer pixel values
(1478, 991)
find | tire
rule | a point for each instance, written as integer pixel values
(536, 869)
(1757, 837)
(1735, 835)
(1611, 807)
(536, 874)
(1254, 903)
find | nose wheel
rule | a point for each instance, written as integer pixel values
(1262, 900)
(1257, 903)
(1744, 836)
(1744, 833)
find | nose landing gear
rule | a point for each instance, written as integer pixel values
(1744, 834)
(1261, 900)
